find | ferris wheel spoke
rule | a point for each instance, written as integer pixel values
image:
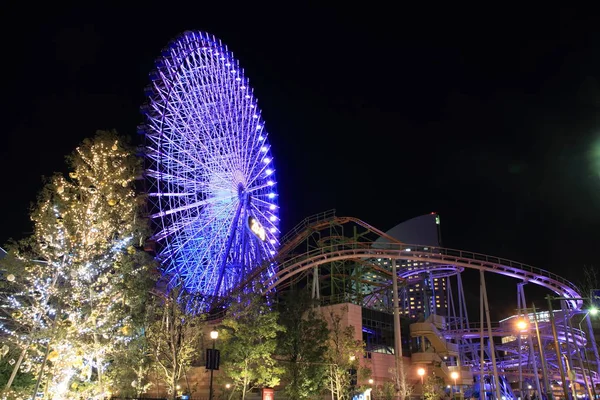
(194, 205)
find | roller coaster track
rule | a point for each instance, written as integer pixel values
(433, 255)
(321, 221)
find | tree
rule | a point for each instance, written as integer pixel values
(402, 386)
(92, 274)
(249, 333)
(174, 335)
(433, 388)
(343, 355)
(387, 391)
(303, 346)
(27, 316)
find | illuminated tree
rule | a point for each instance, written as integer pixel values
(174, 336)
(303, 346)
(249, 333)
(88, 234)
(25, 318)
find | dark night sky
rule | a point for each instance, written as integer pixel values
(489, 117)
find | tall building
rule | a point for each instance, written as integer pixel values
(423, 293)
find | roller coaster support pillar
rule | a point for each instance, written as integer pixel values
(585, 375)
(490, 334)
(397, 332)
(523, 302)
(547, 388)
(594, 346)
(561, 366)
(482, 395)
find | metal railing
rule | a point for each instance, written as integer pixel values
(306, 222)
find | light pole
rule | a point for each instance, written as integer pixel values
(454, 376)
(213, 335)
(421, 373)
(522, 326)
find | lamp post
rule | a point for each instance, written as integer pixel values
(454, 376)
(421, 373)
(522, 326)
(213, 335)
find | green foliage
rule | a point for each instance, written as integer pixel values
(387, 391)
(343, 354)
(249, 332)
(433, 388)
(174, 335)
(303, 346)
(24, 382)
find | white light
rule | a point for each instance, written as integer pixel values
(271, 195)
(251, 105)
(273, 241)
(243, 88)
(255, 116)
(258, 127)
(272, 230)
(272, 252)
(270, 183)
(260, 138)
(272, 207)
(264, 149)
(227, 65)
(247, 96)
(268, 172)
(238, 79)
(272, 218)
(267, 160)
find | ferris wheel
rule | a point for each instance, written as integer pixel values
(212, 188)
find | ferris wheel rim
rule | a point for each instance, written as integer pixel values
(243, 201)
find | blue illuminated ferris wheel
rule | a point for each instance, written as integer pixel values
(212, 188)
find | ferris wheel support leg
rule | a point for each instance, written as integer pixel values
(227, 250)
(490, 335)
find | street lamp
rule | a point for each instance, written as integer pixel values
(454, 376)
(421, 373)
(213, 335)
(522, 325)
